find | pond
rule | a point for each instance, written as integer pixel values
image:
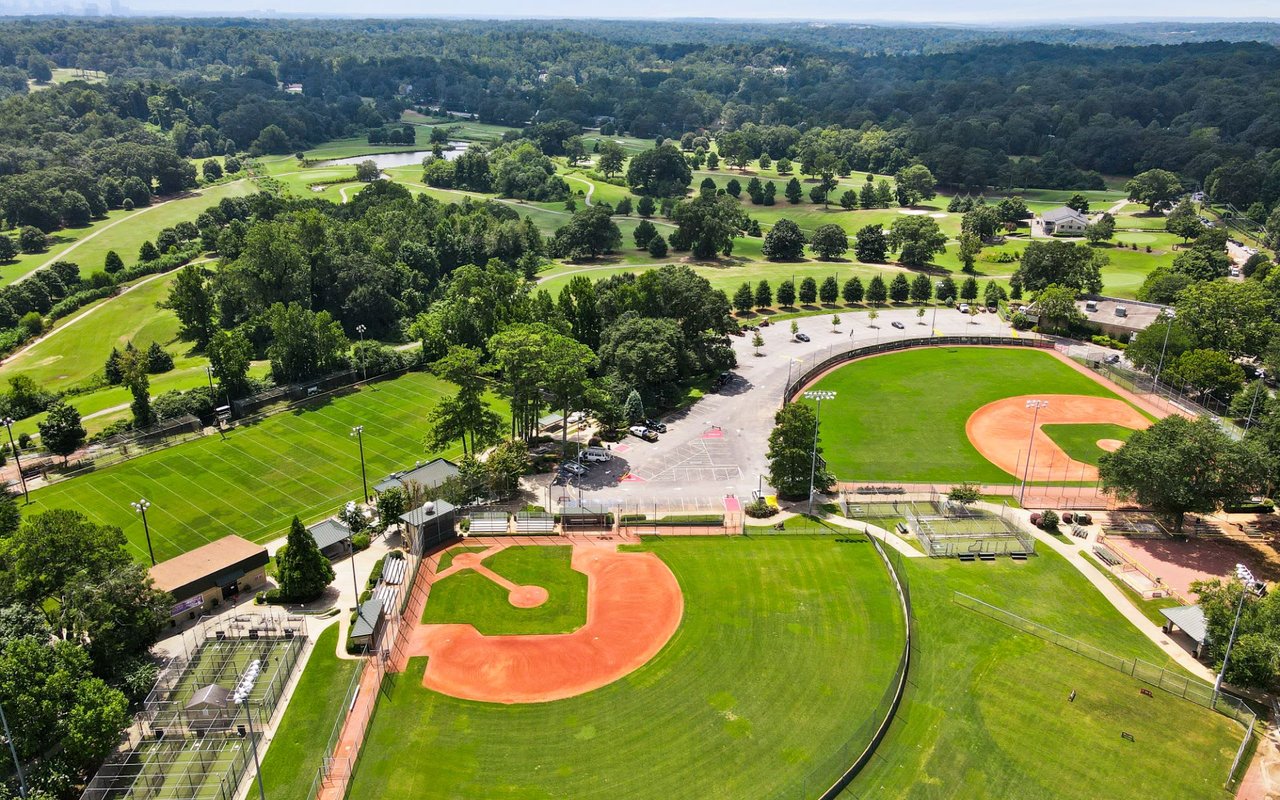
(407, 159)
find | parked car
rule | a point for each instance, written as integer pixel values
(573, 468)
(641, 431)
(802, 337)
(1114, 358)
(653, 424)
(596, 454)
(898, 325)
(963, 308)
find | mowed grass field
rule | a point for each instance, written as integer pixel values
(1081, 441)
(302, 463)
(469, 597)
(986, 714)
(901, 416)
(785, 648)
(303, 733)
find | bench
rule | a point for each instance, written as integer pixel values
(987, 556)
(1106, 556)
(1018, 556)
(968, 557)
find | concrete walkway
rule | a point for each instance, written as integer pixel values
(1073, 554)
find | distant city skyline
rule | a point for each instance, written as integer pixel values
(989, 13)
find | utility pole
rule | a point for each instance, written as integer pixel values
(1246, 578)
(358, 432)
(1168, 314)
(817, 396)
(8, 423)
(141, 507)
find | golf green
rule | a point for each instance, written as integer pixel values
(785, 648)
(901, 416)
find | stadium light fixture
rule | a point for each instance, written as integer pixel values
(1035, 405)
(8, 423)
(358, 432)
(141, 507)
(1245, 576)
(817, 396)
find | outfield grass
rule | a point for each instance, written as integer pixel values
(300, 739)
(1081, 441)
(469, 597)
(302, 463)
(786, 646)
(901, 416)
(986, 714)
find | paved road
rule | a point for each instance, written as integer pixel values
(718, 446)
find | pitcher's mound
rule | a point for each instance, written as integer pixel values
(528, 596)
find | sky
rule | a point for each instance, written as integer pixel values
(978, 12)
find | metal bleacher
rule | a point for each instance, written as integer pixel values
(535, 522)
(491, 522)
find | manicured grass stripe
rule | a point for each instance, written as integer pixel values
(901, 417)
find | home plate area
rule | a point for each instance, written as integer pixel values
(698, 460)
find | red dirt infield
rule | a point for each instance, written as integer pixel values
(1000, 433)
(634, 606)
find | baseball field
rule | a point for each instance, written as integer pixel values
(960, 414)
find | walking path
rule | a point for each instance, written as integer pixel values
(591, 187)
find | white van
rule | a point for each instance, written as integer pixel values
(595, 454)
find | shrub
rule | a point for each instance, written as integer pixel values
(1049, 520)
(759, 509)
(360, 541)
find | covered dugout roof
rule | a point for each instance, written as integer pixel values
(428, 475)
(329, 532)
(1190, 619)
(215, 564)
(368, 618)
(427, 512)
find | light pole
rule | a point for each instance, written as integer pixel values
(141, 507)
(355, 584)
(253, 745)
(816, 396)
(1246, 578)
(8, 423)
(358, 432)
(1168, 314)
(1036, 405)
(13, 751)
(364, 370)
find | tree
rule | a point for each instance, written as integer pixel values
(947, 290)
(1078, 202)
(830, 242)
(792, 450)
(784, 242)
(757, 341)
(611, 157)
(764, 294)
(133, 374)
(633, 410)
(877, 292)
(786, 294)
(921, 288)
(191, 302)
(158, 359)
(852, 291)
(1012, 209)
(61, 431)
(8, 249)
(918, 238)
(304, 343)
(1155, 188)
(1178, 466)
(113, 263)
(659, 172)
(1068, 264)
(211, 170)
(794, 193)
(1209, 372)
(849, 199)
(795, 329)
(744, 299)
(1100, 231)
(590, 233)
(302, 570)
(466, 417)
(915, 183)
(1056, 306)
(992, 294)
(148, 252)
(645, 207)
(707, 187)
(982, 221)
(623, 209)
(733, 188)
(872, 316)
(367, 171)
(829, 291)
(38, 68)
(899, 288)
(871, 245)
(1184, 221)
(657, 246)
(770, 191)
(1234, 317)
(230, 356)
(32, 240)
(808, 291)
(969, 289)
(784, 166)
(643, 233)
(272, 140)
(966, 494)
(970, 246)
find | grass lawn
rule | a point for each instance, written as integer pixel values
(302, 462)
(468, 596)
(901, 417)
(464, 129)
(986, 714)
(786, 645)
(303, 733)
(446, 558)
(1081, 441)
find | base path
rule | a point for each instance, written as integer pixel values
(634, 606)
(1001, 432)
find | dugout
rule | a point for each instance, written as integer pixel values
(332, 537)
(426, 476)
(203, 578)
(1190, 620)
(370, 619)
(576, 516)
(428, 525)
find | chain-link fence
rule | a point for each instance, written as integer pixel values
(1170, 681)
(1168, 397)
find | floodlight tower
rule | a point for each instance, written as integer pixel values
(1035, 405)
(817, 396)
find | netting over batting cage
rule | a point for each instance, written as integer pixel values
(949, 529)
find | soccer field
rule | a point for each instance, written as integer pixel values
(303, 462)
(786, 646)
(901, 416)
